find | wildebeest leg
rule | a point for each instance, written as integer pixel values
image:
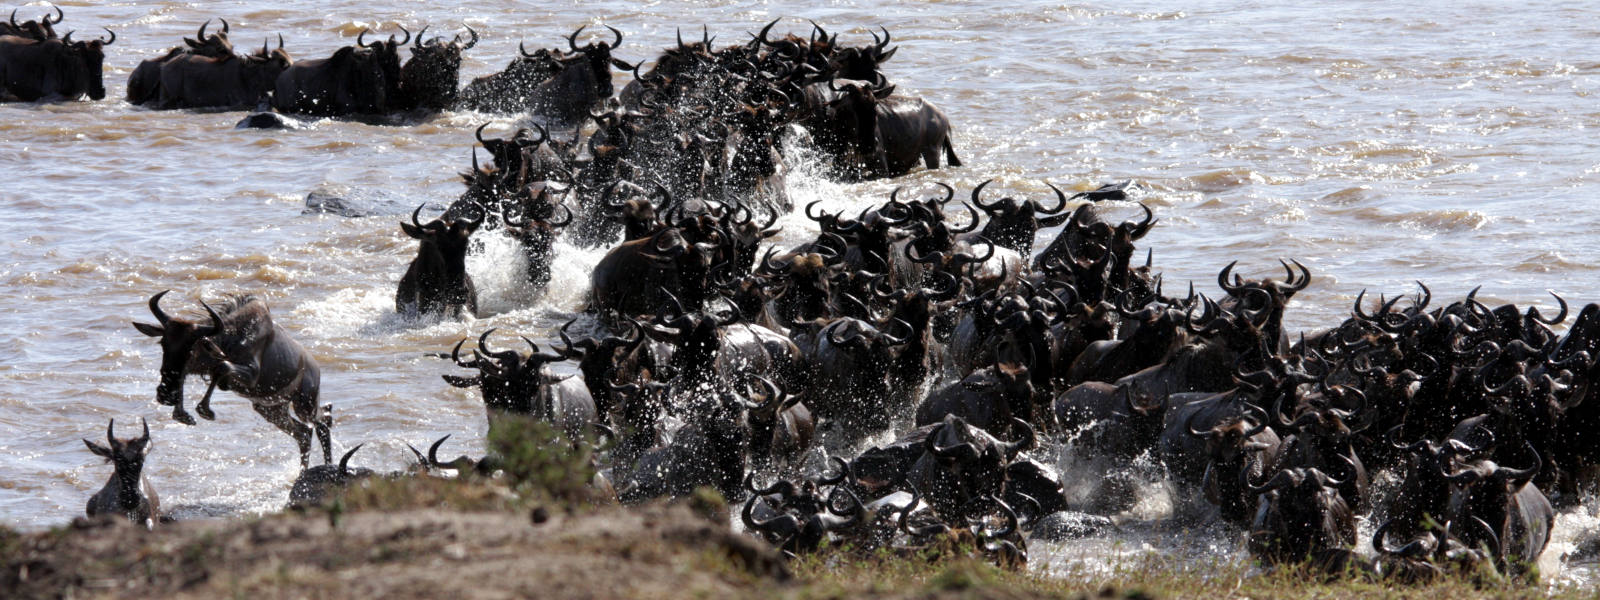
(278, 415)
(204, 407)
(321, 424)
(229, 375)
(180, 415)
(930, 157)
(950, 153)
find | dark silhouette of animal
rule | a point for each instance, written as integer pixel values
(128, 493)
(241, 350)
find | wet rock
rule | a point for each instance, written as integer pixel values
(352, 202)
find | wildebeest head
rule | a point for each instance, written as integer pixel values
(599, 59)
(962, 463)
(1301, 515)
(127, 454)
(509, 381)
(215, 45)
(863, 62)
(266, 64)
(1013, 222)
(178, 339)
(41, 30)
(448, 239)
(431, 75)
(1230, 438)
(856, 109)
(85, 60)
(387, 53)
(1484, 489)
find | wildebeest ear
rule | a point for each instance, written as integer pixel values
(621, 64)
(148, 329)
(191, 43)
(411, 230)
(98, 449)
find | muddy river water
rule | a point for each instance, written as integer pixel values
(1378, 143)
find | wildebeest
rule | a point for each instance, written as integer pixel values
(243, 351)
(884, 135)
(363, 79)
(42, 29)
(144, 84)
(315, 484)
(1302, 517)
(562, 87)
(229, 81)
(513, 384)
(52, 69)
(128, 492)
(437, 280)
(428, 80)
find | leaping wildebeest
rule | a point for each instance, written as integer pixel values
(241, 350)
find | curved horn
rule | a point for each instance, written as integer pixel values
(618, 41)
(200, 36)
(1282, 479)
(1029, 438)
(1509, 473)
(763, 35)
(502, 355)
(845, 473)
(1222, 279)
(1188, 425)
(455, 355)
(361, 36)
(344, 461)
(572, 40)
(114, 40)
(472, 42)
(976, 199)
(155, 308)
(1562, 316)
(1061, 200)
(216, 321)
(407, 32)
(417, 43)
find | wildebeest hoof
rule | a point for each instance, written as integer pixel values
(205, 413)
(182, 416)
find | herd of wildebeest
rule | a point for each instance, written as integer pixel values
(717, 359)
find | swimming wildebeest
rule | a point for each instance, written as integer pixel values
(127, 493)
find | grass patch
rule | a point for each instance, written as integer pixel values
(542, 464)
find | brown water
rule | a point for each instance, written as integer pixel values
(1378, 143)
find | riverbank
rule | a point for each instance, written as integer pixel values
(433, 538)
